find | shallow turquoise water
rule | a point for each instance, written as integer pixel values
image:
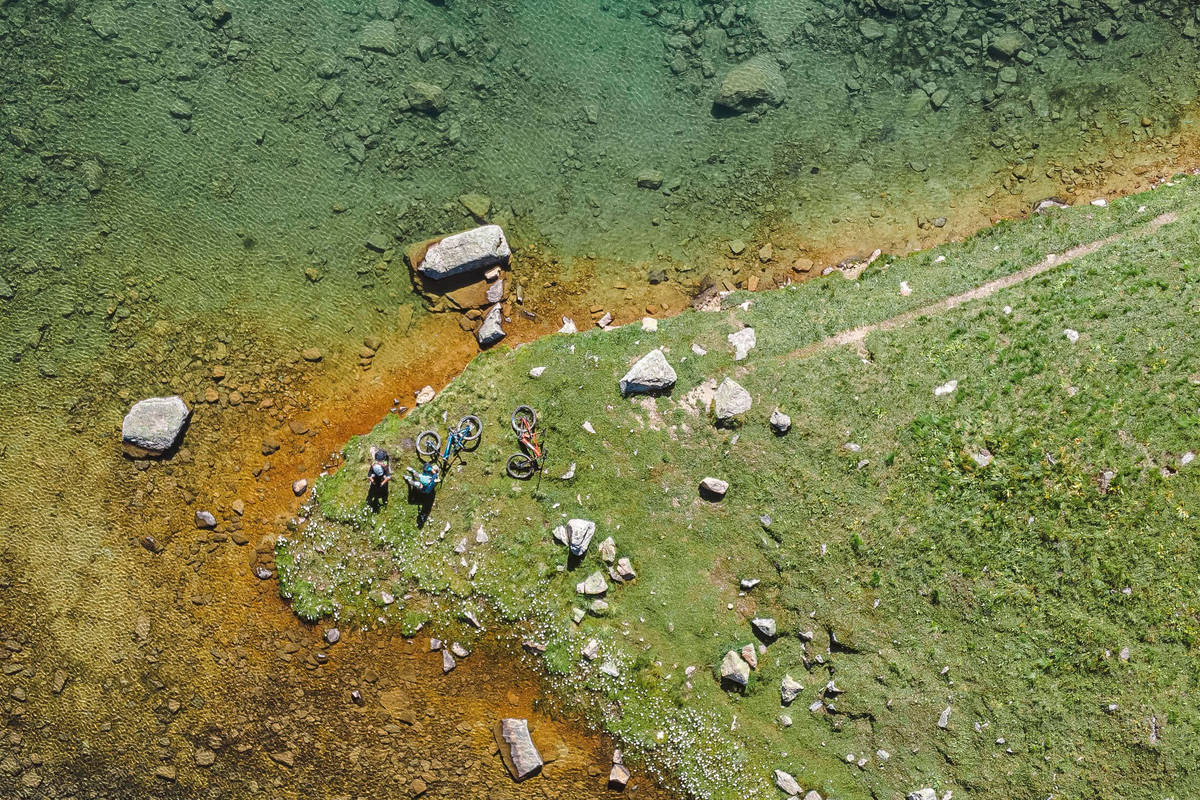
(190, 184)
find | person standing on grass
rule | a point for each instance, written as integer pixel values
(379, 474)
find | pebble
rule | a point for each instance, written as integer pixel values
(299, 486)
(205, 519)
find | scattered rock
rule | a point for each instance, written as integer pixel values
(312, 354)
(651, 373)
(448, 662)
(205, 757)
(787, 783)
(576, 535)
(153, 425)
(789, 690)
(780, 423)
(608, 550)
(425, 395)
(749, 583)
(751, 85)
(734, 669)
(166, 772)
(743, 342)
(765, 627)
(332, 635)
(463, 252)
(379, 35)
(299, 486)
(650, 179)
(1072, 335)
(520, 755)
(922, 794)
(477, 205)
(649, 324)
(536, 372)
(593, 584)
(625, 569)
(730, 400)
(568, 326)
(944, 718)
(713, 487)
(618, 777)
(205, 519)
(490, 331)
(946, 388)
(285, 757)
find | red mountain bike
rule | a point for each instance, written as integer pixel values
(522, 465)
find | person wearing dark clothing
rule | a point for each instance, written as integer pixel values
(379, 475)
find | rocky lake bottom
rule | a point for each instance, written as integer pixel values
(213, 199)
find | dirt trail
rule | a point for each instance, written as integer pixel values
(857, 336)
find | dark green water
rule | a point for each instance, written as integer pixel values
(186, 185)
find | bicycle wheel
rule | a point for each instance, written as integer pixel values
(520, 466)
(429, 444)
(471, 428)
(524, 418)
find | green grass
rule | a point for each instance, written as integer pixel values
(1023, 577)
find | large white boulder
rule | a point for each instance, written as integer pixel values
(651, 373)
(153, 425)
(468, 251)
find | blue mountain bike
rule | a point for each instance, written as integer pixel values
(464, 436)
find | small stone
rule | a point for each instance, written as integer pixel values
(650, 179)
(618, 777)
(625, 569)
(743, 342)
(714, 487)
(205, 519)
(780, 423)
(448, 662)
(1072, 335)
(946, 388)
(205, 757)
(944, 718)
(737, 247)
(789, 690)
(730, 400)
(649, 324)
(608, 550)
(332, 635)
(749, 583)
(491, 330)
(765, 627)
(521, 756)
(536, 372)
(734, 669)
(425, 395)
(787, 783)
(312, 354)
(593, 584)
(285, 757)
(166, 772)
(299, 486)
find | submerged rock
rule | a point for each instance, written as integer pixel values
(153, 425)
(517, 748)
(751, 85)
(467, 251)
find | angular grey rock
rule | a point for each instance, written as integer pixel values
(495, 292)
(491, 330)
(750, 85)
(205, 519)
(568, 326)
(781, 423)
(749, 583)
(153, 425)
(608, 550)
(467, 251)
(332, 636)
(618, 777)
(734, 669)
(591, 650)
(765, 627)
(448, 662)
(593, 584)
(625, 570)
(651, 373)
(922, 794)
(522, 758)
(577, 535)
(787, 783)
(714, 486)
(944, 718)
(812, 794)
(789, 690)
(730, 400)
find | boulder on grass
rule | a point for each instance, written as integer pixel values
(735, 671)
(731, 400)
(651, 373)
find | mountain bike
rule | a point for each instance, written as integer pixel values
(464, 436)
(522, 465)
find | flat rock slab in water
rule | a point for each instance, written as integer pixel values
(520, 755)
(153, 425)
(464, 252)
